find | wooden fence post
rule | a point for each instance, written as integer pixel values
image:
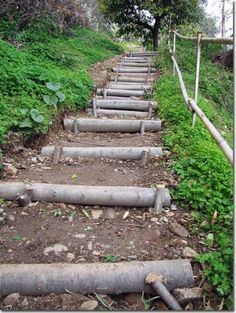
(198, 57)
(174, 51)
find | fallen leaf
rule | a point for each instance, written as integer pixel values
(85, 213)
(125, 215)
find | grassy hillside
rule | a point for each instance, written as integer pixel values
(205, 176)
(35, 58)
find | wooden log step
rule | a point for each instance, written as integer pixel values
(111, 125)
(132, 64)
(136, 105)
(143, 54)
(120, 92)
(119, 113)
(131, 79)
(129, 86)
(121, 153)
(90, 278)
(134, 70)
(117, 196)
(117, 98)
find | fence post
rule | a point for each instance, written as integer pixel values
(174, 49)
(198, 57)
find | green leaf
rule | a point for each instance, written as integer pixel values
(46, 99)
(53, 86)
(53, 100)
(36, 116)
(17, 237)
(74, 176)
(61, 96)
(210, 239)
(26, 123)
(24, 111)
(85, 213)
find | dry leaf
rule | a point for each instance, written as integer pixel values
(125, 215)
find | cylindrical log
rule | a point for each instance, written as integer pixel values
(120, 93)
(119, 113)
(109, 125)
(138, 105)
(144, 54)
(86, 195)
(138, 59)
(88, 278)
(134, 64)
(134, 70)
(122, 153)
(118, 98)
(131, 79)
(130, 86)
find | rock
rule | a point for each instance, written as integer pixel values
(12, 299)
(132, 257)
(11, 218)
(178, 230)
(34, 160)
(25, 302)
(89, 305)
(2, 220)
(10, 170)
(170, 214)
(157, 233)
(96, 253)
(62, 206)
(134, 300)
(164, 219)
(189, 252)
(173, 207)
(90, 246)
(1, 210)
(110, 213)
(154, 219)
(184, 295)
(79, 236)
(96, 214)
(57, 249)
(70, 256)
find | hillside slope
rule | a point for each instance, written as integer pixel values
(35, 58)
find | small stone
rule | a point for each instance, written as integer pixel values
(11, 218)
(96, 253)
(62, 206)
(184, 295)
(154, 219)
(164, 219)
(170, 214)
(79, 236)
(173, 207)
(70, 256)
(189, 252)
(34, 160)
(96, 214)
(12, 299)
(57, 249)
(110, 214)
(1, 210)
(90, 246)
(132, 257)
(25, 302)
(2, 220)
(157, 233)
(10, 170)
(178, 230)
(89, 305)
(24, 213)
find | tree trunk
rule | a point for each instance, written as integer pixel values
(155, 34)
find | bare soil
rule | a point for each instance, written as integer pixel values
(92, 234)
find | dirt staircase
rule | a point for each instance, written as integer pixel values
(106, 164)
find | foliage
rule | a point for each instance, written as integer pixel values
(109, 258)
(44, 58)
(56, 96)
(205, 175)
(148, 17)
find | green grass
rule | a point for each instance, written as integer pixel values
(44, 57)
(205, 175)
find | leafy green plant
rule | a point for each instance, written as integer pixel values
(17, 237)
(56, 96)
(29, 117)
(109, 258)
(57, 212)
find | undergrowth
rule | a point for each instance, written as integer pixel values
(36, 57)
(205, 176)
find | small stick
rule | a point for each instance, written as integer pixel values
(156, 281)
(144, 157)
(142, 128)
(94, 108)
(56, 155)
(75, 126)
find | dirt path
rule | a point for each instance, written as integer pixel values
(92, 234)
